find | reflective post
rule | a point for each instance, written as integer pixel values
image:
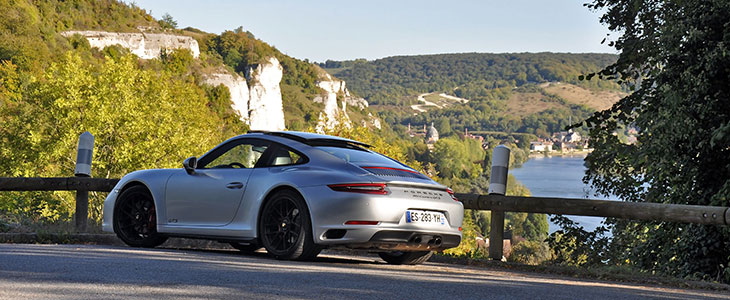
(498, 186)
(83, 169)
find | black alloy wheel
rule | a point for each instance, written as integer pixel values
(285, 227)
(135, 218)
(405, 258)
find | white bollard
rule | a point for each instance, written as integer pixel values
(83, 169)
(500, 166)
(84, 155)
(498, 186)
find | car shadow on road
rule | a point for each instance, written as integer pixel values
(334, 258)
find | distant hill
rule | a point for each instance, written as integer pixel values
(468, 75)
(535, 93)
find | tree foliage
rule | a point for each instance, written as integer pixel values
(167, 22)
(128, 110)
(675, 56)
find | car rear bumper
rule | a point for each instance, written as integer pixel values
(331, 210)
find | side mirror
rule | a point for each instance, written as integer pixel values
(190, 164)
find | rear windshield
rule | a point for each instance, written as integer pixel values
(361, 157)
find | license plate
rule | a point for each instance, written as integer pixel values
(425, 217)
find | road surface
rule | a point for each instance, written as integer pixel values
(114, 272)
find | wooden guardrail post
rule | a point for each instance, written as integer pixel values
(83, 169)
(498, 186)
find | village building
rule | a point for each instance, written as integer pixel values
(541, 146)
(412, 132)
(473, 137)
(569, 136)
(432, 136)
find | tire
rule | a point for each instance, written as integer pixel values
(247, 248)
(135, 218)
(285, 227)
(405, 258)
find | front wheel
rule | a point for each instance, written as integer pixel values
(405, 258)
(135, 218)
(286, 229)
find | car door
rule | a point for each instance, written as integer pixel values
(212, 195)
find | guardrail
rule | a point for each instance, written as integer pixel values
(82, 186)
(698, 214)
(57, 184)
(499, 204)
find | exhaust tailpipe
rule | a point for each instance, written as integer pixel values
(435, 241)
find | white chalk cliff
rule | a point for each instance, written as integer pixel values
(260, 103)
(144, 45)
(335, 112)
(237, 87)
(266, 111)
(332, 114)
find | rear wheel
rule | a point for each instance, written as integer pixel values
(135, 218)
(405, 258)
(286, 229)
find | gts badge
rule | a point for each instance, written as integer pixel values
(422, 194)
(172, 221)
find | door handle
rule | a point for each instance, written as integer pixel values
(234, 185)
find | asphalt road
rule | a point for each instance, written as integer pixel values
(112, 272)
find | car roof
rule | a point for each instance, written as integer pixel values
(310, 138)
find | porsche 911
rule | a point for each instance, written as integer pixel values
(292, 193)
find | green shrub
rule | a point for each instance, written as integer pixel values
(530, 253)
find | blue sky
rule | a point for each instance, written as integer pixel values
(340, 30)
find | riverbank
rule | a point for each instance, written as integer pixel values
(582, 153)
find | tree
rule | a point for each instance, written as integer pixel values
(675, 56)
(167, 22)
(443, 126)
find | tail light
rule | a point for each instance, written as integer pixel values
(451, 193)
(362, 223)
(363, 188)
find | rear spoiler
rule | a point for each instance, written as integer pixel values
(437, 187)
(314, 141)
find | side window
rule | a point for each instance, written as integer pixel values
(284, 156)
(243, 154)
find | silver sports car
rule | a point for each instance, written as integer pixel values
(293, 193)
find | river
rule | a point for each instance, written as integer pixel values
(558, 176)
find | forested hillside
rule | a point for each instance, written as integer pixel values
(466, 75)
(537, 93)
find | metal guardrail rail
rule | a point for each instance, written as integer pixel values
(57, 184)
(697, 214)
